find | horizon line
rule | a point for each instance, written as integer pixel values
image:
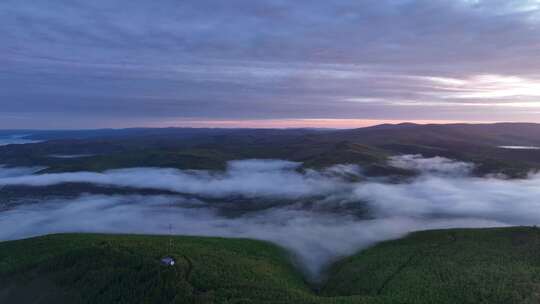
(309, 123)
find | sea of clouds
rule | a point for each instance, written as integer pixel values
(443, 195)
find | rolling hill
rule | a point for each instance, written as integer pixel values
(212, 148)
(445, 266)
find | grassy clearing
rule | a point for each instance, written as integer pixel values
(446, 266)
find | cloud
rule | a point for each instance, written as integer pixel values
(315, 239)
(251, 178)
(511, 201)
(321, 216)
(134, 62)
(8, 172)
(434, 165)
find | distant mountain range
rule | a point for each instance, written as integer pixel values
(193, 148)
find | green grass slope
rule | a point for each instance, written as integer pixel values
(125, 269)
(445, 266)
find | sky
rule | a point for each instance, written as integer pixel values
(267, 63)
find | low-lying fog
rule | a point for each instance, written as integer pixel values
(16, 140)
(443, 195)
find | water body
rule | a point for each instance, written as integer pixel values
(520, 147)
(70, 155)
